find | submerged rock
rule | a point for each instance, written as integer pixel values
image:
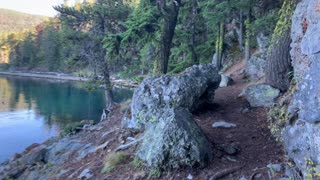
(175, 140)
(261, 95)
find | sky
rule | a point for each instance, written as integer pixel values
(39, 7)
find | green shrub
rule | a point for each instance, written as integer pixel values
(71, 128)
(114, 160)
(137, 163)
(156, 172)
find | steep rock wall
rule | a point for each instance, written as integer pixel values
(302, 134)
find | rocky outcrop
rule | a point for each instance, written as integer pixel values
(47, 160)
(255, 67)
(161, 106)
(192, 88)
(302, 135)
(261, 95)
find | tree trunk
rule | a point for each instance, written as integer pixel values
(217, 57)
(278, 60)
(193, 27)
(248, 37)
(170, 22)
(108, 86)
(240, 34)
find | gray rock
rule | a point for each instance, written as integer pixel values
(260, 95)
(275, 167)
(263, 43)
(231, 149)
(85, 174)
(192, 88)
(37, 154)
(87, 149)
(223, 124)
(302, 135)
(59, 152)
(225, 81)
(175, 140)
(311, 40)
(255, 67)
(243, 178)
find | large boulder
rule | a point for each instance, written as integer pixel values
(175, 140)
(190, 89)
(261, 95)
(302, 135)
(162, 107)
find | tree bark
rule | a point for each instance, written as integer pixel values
(248, 37)
(170, 21)
(241, 32)
(193, 27)
(108, 85)
(217, 57)
(279, 63)
(279, 60)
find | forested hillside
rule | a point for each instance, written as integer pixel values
(13, 21)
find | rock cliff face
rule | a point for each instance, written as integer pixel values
(302, 134)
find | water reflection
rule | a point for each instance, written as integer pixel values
(32, 110)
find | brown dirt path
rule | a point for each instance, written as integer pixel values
(252, 136)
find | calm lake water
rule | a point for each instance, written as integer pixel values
(33, 110)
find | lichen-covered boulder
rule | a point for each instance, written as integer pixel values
(174, 140)
(190, 89)
(261, 95)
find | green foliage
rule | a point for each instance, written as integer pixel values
(71, 128)
(265, 24)
(113, 160)
(137, 163)
(277, 118)
(155, 173)
(93, 38)
(284, 21)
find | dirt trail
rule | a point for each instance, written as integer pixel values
(257, 147)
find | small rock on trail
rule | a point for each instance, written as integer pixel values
(223, 124)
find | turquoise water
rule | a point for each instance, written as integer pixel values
(33, 110)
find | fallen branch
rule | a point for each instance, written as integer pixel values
(126, 146)
(225, 172)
